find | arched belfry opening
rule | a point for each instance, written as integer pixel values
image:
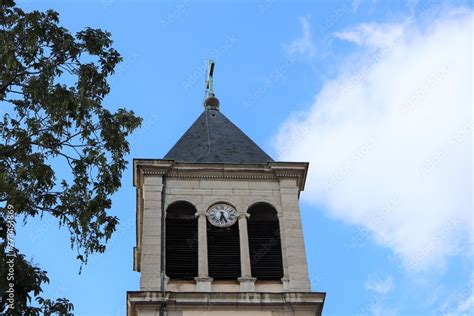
(181, 241)
(223, 248)
(264, 242)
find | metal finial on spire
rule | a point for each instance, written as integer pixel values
(210, 102)
(210, 75)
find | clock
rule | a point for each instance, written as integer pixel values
(222, 215)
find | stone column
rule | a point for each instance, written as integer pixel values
(247, 283)
(203, 281)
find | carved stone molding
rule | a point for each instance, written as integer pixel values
(273, 171)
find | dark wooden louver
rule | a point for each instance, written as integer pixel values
(181, 245)
(223, 249)
(265, 245)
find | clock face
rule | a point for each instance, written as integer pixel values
(222, 215)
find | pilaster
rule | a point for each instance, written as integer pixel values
(293, 237)
(150, 277)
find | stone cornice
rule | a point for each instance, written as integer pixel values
(210, 299)
(270, 171)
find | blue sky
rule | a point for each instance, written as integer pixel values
(375, 94)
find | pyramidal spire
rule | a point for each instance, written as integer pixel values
(210, 101)
(213, 138)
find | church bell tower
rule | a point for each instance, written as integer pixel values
(219, 228)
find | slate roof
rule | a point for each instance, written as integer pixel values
(213, 138)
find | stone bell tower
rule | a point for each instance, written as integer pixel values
(218, 227)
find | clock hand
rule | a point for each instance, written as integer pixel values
(223, 217)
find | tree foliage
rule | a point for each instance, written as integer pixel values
(52, 87)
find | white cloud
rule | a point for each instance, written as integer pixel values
(460, 302)
(356, 4)
(303, 46)
(389, 139)
(373, 34)
(379, 286)
(380, 310)
(466, 305)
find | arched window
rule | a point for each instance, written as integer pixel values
(223, 251)
(181, 241)
(264, 242)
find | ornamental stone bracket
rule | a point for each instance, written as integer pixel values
(286, 283)
(247, 284)
(203, 284)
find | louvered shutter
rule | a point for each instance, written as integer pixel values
(265, 243)
(223, 248)
(181, 243)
